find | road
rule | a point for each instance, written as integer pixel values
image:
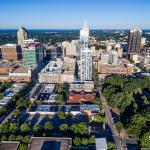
(121, 145)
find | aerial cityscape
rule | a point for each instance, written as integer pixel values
(79, 80)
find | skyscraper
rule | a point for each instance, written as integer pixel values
(22, 35)
(134, 41)
(86, 55)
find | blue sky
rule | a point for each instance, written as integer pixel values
(70, 14)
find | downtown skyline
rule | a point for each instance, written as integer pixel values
(65, 14)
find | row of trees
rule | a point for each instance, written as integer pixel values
(23, 132)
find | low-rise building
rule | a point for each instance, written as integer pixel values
(80, 97)
(10, 92)
(51, 143)
(85, 109)
(44, 93)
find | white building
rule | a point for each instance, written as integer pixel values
(86, 55)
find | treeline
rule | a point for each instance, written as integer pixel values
(127, 98)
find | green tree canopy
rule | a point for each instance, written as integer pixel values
(145, 141)
(13, 127)
(111, 146)
(77, 141)
(64, 127)
(25, 127)
(48, 126)
(85, 141)
(12, 137)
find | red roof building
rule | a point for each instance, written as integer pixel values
(80, 97)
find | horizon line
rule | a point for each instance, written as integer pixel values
(72, 29)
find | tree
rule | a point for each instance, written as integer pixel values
(98, 119)
(21, 103)
(48, 126)
(26, 139)
(4, 138)
(92, 139)
(145, 141)
(16, 112)
(145, 100)
(25, 127)
(4, 128)
(60, 99)
(77, 141)
(37, 128)
(1, 95)
(137, 124)
(69, 115)
(63, 127)
(85, 141)
(111, 146)
(19, 138)
(119, 126)
(13, 127)
(80, 128)
(61, 115)
(23, 146)
(12, 137)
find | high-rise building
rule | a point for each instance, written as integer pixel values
(134, 41)
(22, 35)
(86, 55)
(33, 55)
(11, 52)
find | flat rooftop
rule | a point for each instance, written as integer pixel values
(65, 108)
(9, 145)
(50, 143)
(8, 64)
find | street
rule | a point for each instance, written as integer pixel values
(118, 140)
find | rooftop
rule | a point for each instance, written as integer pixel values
(50, 143)
(9, 145)
(8, 45)
(101, 144)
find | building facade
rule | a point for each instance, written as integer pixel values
(33, 55)
(85, 55)
(134, 41)
(11, 52)
(22, 35)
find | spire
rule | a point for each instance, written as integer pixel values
(85, 24)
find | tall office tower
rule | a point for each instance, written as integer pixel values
(22, 35)
(86, 55)
(134, 41)
(33, 55)
(11, 52)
